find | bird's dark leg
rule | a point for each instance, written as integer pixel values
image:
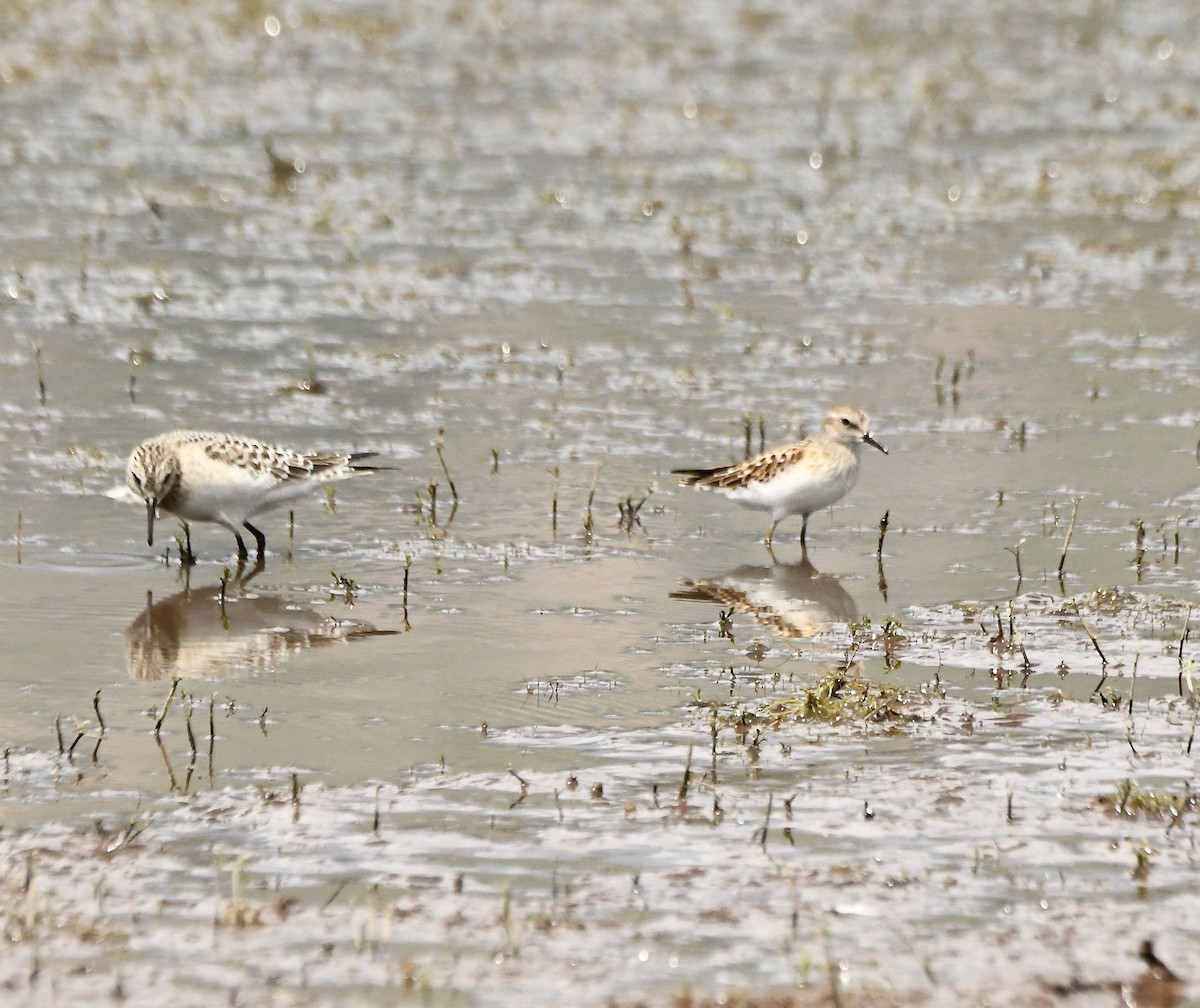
(803, 533)
(244, 579)
(188, 559)
(243, 553)
(259, 538)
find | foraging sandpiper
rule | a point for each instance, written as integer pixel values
(797, 478)
(221, 478)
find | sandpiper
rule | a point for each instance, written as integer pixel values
(225, 479)
(797, 478)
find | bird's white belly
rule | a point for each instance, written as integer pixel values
(235, 500)
(795, 491)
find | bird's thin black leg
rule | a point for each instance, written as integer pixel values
(258, 538)
(189, 558)
(243, 578)
(243, 553)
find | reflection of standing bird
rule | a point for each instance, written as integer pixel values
(798, 478)
(226, 480)
(793, 600)
(193, 635)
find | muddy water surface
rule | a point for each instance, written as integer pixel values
(535, 748)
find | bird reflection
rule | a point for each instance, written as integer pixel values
(794, 600)
(197, 634)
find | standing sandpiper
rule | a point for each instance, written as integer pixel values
(221, 478)
(798, 478)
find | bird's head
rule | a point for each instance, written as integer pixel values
(152, 474)
(852, 427)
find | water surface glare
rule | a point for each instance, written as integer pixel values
(519, 721)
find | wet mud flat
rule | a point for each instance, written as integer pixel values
(578, 740)
(831, 825)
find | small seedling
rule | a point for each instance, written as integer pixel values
(588, 523)
(630, 513)
(685, 289)
(166, 707)
(761, 833)
(347, 586)
(1016, 552)
(191, 735)
(554, 503)
(893, 637)
(407, 568)
(85, 241)
(239, 913)
(437, 444)
(173, 784)
(687, 778)
(212, 733)
(1062, 560)
(135, 361)
(524, 788)
(725, 625)
(1092, 638)
(41, 372)
(183, 545)
(118, 839)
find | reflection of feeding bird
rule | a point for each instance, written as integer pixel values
(193, 635)
(227, 480)
(798, 478)
(794, 600)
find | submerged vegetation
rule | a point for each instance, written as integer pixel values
(838, 698)
(1133, 800)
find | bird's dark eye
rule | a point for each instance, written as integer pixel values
(847, 422)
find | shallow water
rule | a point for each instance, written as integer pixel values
(578, 247)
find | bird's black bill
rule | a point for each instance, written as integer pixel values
(150, 523)
(874, 444)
